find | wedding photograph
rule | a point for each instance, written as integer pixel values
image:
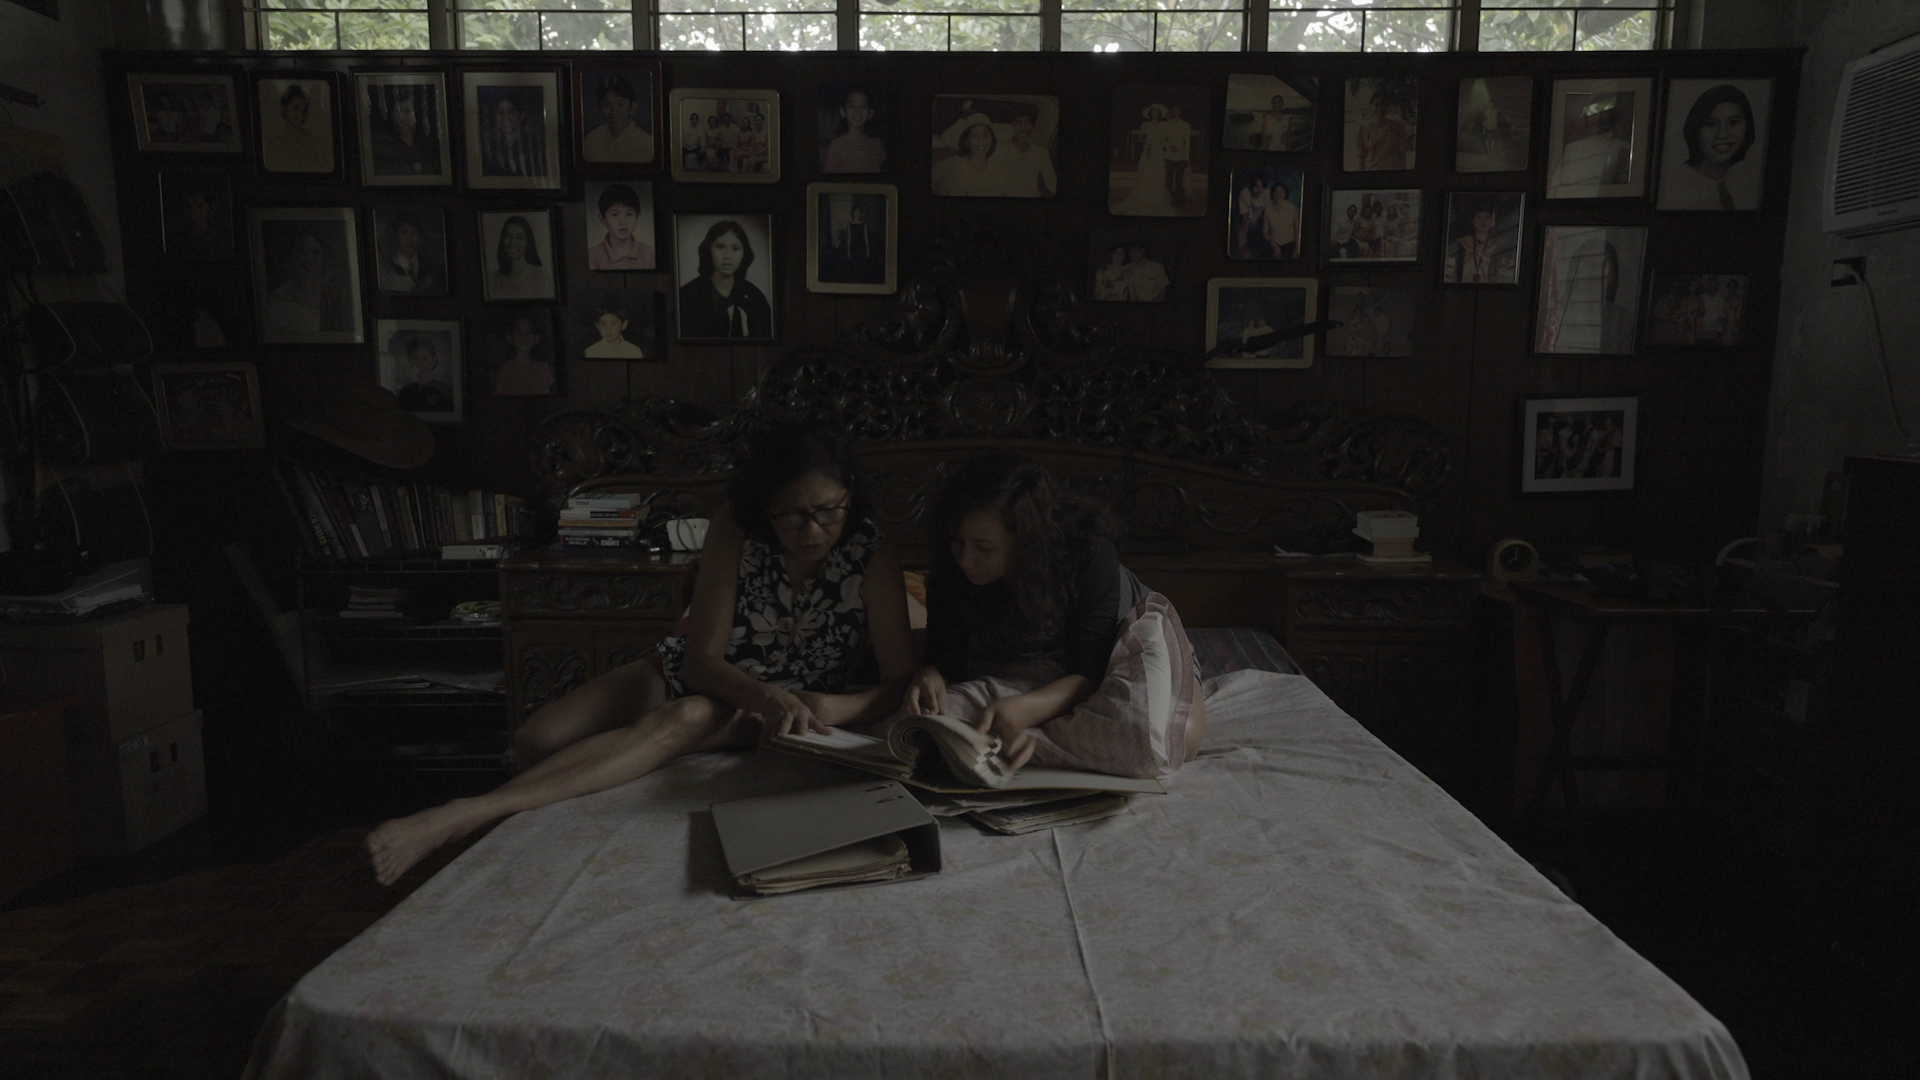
(723, 267)
(1268, 213)
(512, 129)
(1715, 151)
(1270, 112)
(1373, 226)
(1378, 321)
(726, 136)
(1158, 143)
(1579, 444)
(995, 145)
(1599, 141)
(1495, 124)
(1590, 277)
(1483, 238)
(616, 115)
(517, 259)
(404, 141)
(1241, 310)
(850, 238)
(306, 275)
(1132, 266)
(1382, 124)
(421, 362)
(184, 113)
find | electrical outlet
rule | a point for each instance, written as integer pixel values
(1849, 271)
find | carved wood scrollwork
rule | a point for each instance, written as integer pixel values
(1344, 676)
(562, 594)
(547, 673)
(1406, 604)
(1004, 360)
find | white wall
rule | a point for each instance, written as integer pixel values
(59, 59)
(1829, 399)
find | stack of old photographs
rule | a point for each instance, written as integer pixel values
(1011, 813)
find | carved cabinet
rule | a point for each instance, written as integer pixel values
(571, 616)
(1393, 647)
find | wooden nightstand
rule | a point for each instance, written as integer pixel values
(569, 617)
(1392, 647)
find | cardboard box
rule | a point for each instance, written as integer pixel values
(163, 781)
(771, 830)
(133, 668)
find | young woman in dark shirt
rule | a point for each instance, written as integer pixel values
(1024, 583)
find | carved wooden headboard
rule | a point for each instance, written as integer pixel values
(961, 369)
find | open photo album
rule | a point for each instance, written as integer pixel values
(946, 755)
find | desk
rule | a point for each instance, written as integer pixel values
(1537, 656)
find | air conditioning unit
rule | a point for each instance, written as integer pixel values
(1873, 156)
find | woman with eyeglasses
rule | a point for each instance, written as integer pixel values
(794, 582)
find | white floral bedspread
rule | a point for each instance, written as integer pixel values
(1302, 903)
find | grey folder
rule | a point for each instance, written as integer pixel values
(773, 829)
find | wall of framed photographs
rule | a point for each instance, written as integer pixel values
(1491, 228)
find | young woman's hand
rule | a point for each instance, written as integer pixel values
(784, 713)
(1004, 718)
(926, 692)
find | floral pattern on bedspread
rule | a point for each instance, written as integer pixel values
(1302, 902)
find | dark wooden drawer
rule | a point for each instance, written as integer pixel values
(1372, 602)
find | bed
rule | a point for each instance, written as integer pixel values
(1300, 903)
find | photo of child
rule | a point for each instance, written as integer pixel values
(853, 129)
(613, 324)
(620, 226)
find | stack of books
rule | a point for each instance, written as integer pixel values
(602, 521)
(371, 602)
(1392, 533)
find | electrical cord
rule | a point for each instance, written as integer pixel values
(1886, 369)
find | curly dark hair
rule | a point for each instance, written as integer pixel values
(782, 454)
(1054, 531)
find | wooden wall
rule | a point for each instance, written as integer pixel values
(1702, 418)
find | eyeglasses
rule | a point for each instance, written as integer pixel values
(823, 516)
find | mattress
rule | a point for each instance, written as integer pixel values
(1301, 903)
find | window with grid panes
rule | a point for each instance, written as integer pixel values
(1571, 25)
(787, 25)
(339, 24)
(950, 25)
(1152, 25)
(543, 24)
(1360, 25)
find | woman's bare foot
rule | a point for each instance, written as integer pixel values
(401, 842)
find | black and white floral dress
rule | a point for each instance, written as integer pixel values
(808, 641)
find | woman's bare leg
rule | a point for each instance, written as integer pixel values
(613, 700)
(596, 763)
(1197, 719)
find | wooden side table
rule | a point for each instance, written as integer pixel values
(1393, 647)
(568, 617)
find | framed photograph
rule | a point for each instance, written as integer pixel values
(185, 113)
(513, 129)
(410, 250)
(995, 145)
(1716, 144)
(519, 352)
(726, 136)
(196, 214)
(1132, 266)
(1382, 124)
(1578, 444)
(619, 221)
(203, 306)
(1379, 321)
(1599, 139)
(404, 141)
(616, 115)
(421, 362)
(1269, 208)
(614, 323)
(1696, 311)
(723, 266)
(209, 406)
(299, 128)
(306, 275)
(517, 259)
(1157, 146)
(851, 231)
(1590, 277)
(1483, 238)
(1373, 226)
(1270, 112)
(852, 121)
(1494, 126)
(1242, 309)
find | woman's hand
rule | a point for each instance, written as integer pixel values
(783, 712)
(926, 692)
(1006, 719)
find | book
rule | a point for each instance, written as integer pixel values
(947, 755)
(599, 515)
(883, 858)
(1014, 820)
(474, 551)
(597, 541)
(1386, 524)
(625, 500)
(1398, 560)
(826, 837)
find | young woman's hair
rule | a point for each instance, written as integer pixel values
(1054, 534)
(1701, 115)
(719, 229)
(782, 454)
(500, 255)
(292, 93)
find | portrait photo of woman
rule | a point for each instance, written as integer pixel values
(297, 125)
(725, 275)
(518, 346)
(517, 255)
(1716, 148)
(307, 275)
